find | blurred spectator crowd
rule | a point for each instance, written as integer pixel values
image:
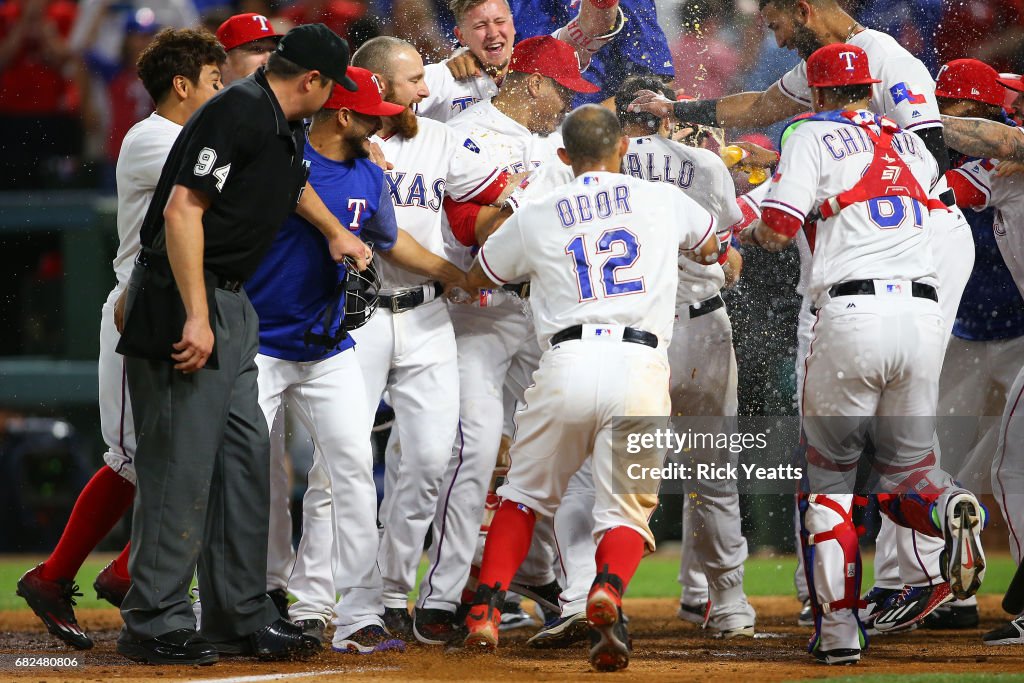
(69, 93)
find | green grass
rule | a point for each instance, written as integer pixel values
(925, 678)
(656, 577)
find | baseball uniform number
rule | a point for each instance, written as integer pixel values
(890, 212)
(609, 276)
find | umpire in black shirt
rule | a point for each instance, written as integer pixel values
(190, 336)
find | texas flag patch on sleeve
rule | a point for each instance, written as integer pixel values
(902, 92)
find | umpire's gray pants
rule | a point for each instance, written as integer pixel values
(203, 488)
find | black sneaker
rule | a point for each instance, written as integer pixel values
(911, 607)
(111, 587)
(54, 603)
(1011, 633)
(398, 622)
(433, 626)
(838, 657)
(876, 600)
(279, 596)
(183, 646)
(953, 617)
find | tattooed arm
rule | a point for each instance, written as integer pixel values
(985, 139)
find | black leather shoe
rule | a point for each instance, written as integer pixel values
(183, 646)
(280, 640)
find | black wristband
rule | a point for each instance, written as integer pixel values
(702, 112)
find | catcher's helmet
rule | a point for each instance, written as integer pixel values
(361, 291)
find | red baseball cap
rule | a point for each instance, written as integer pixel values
(245, 28)
(1014, 82)
(970, 79)
(837, 65)
(553, 58)
(367, 97)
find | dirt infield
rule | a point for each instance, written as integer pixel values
(665, 649)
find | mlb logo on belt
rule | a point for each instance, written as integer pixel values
(902, 92)
(602, 331)
(894, 289)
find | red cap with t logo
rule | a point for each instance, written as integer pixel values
(245, 28)
(367, 97)
(837, 65)
(970, 79)
(553, 58)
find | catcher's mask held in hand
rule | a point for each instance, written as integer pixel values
(361, 290)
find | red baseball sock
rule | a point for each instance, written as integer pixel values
(121, 562)
(620, 549)
(508, 542)
(100, 505)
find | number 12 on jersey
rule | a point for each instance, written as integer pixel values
(622, 249)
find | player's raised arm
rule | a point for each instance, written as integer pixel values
(743, 110)
(985, 139)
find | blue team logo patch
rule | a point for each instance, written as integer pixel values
(901, 92)
(471, 146)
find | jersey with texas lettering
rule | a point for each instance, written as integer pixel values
(427, 167)
(600, 250)
(882, 238)
(449, 97)
(906, 93)
(294, 289)
(1006, 195)
(703, 177)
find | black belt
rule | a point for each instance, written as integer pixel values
(520, 289)
(707, 306)
(628, 335)
(856, 287)
(408, 299)
(148, 259)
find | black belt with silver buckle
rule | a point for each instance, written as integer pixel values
(152, 259)
(707, 306)
(520, 289)
(629, 334)
(408, 299)
(856, 287)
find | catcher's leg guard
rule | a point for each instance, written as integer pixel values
(828, 538)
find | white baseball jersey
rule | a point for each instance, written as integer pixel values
(499, 141)
(449, 97)
(906, 93)
(701, 175)
(587, 247)
(885, 238)
(1006, 196)
(143, 153)
(426, 168)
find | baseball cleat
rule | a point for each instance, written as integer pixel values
(609, 638)
(949, 617)
(838, 657)
(484, 619)
(695, 614)
(806, 616)
(731, 620)
(368, 640)
(875, 601)
(433, 626)
(54, 603)
(398, 622)
(562, 632)
(911, 607)
(963, 557)
(313, 627)
(111, 587)
(1011, 633)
